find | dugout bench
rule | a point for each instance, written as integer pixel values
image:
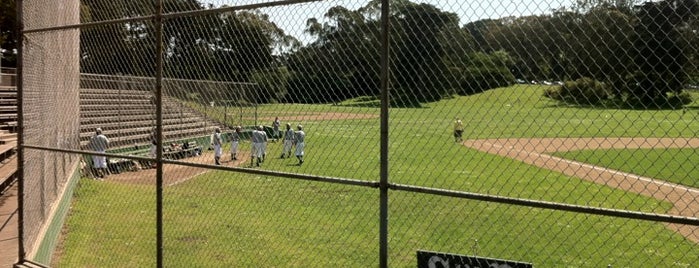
(173, 152)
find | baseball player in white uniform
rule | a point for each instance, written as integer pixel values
(264, 142)
(300, 141)
(99, 143)
(288, 141)
(235, 140)
(217, 142)
(275, 129)
(258, 138)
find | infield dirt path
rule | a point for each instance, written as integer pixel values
(174, 174)
(685, 200)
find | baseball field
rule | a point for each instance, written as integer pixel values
(223, 218)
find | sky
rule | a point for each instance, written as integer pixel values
(292, 18)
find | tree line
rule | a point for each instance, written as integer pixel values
(642, 52)
(8, 33)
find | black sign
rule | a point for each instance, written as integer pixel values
(428, 259)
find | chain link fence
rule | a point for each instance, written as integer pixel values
(359, 133)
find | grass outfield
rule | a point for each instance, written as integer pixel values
(231, 219)
(673, 165)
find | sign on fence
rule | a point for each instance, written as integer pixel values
(429, 259)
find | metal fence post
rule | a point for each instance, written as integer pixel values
(22, 254)
(384, 183)
(158, 21)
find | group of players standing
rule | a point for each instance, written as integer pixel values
(258, 139)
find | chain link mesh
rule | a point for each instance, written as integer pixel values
(561, 134)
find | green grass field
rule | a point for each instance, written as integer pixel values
(227, 219)
(672, 165)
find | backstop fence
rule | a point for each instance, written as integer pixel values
(395, 133)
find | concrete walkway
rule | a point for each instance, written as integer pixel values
(9, 238)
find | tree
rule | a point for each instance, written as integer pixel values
(458, 44)
(584, 6)
(482, 71)
(602, 48)
(187, 52)
(641, 54)
(222, 47)
(691, 38)
(660, 56)
(116, 48)
(481, 31)
(417, 69)
(341, 63)
(8, 32)
(271, 84)
(243, 43)
(531, 41)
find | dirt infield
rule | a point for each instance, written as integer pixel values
(300, 117)
(685, 200)
(174, 174)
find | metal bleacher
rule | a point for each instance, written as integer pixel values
(128, 117)
(8, 128)
(8, 168)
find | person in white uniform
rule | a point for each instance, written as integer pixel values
(263, 134)
(258, 139)
(217, 142)
(99, 143)
(235, 141)
(300, 141)
(275, 129)
(288, 142)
